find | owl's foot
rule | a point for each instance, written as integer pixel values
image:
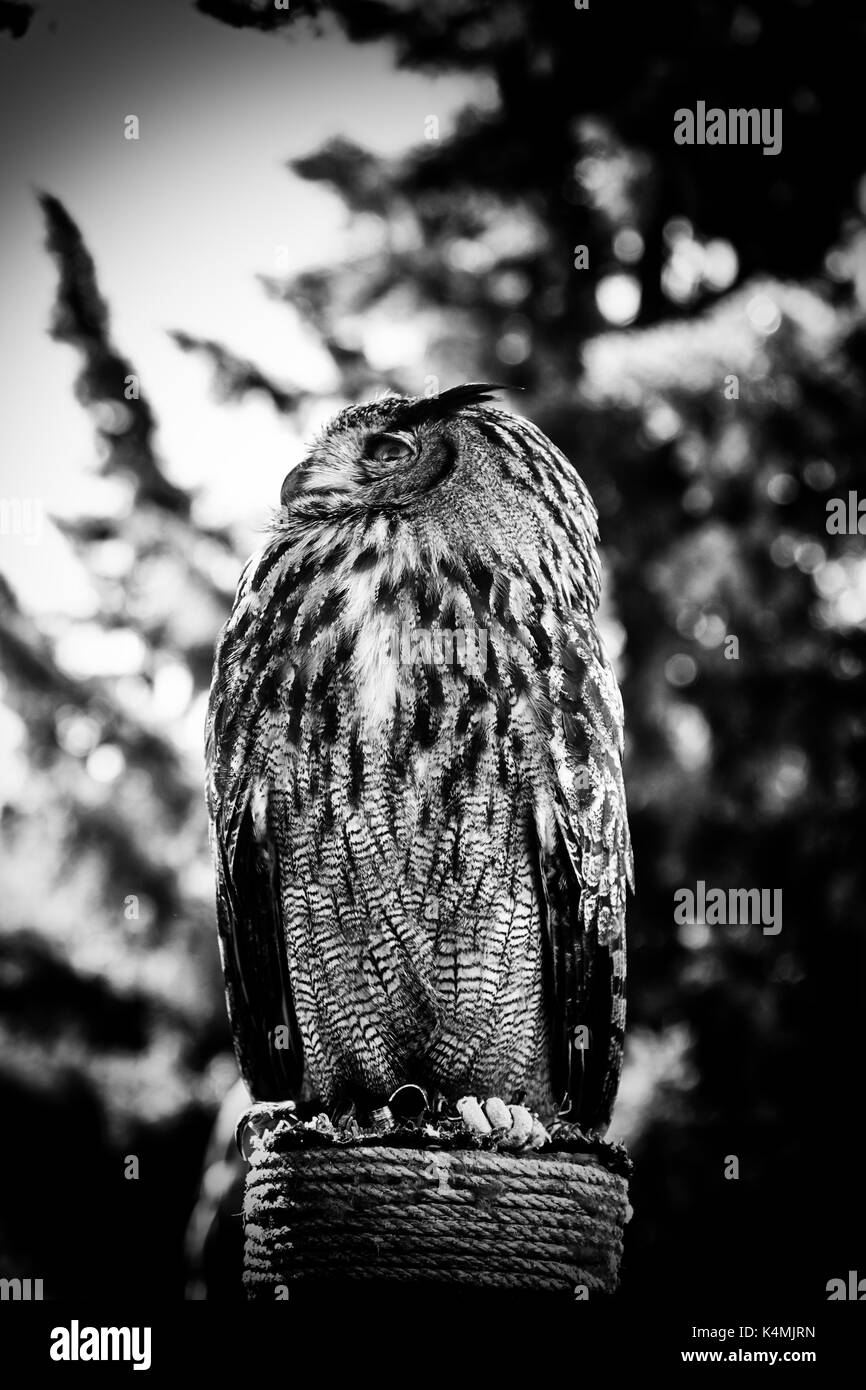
(511, 1126)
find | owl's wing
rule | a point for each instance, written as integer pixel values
(258, 992)
(249, 912)
(585, 864)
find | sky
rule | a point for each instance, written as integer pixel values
(180, 223)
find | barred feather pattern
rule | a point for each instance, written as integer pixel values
(422, 865)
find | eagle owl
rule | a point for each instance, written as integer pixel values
(414, 744)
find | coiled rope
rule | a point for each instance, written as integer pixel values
(404, 1206)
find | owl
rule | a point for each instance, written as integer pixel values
(414, 775)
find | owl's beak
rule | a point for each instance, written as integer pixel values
(292, 485)
(315, 478)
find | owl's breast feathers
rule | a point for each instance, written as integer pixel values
(418, 824)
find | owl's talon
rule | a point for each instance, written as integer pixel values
(521, 1128)
(473, 1116)
(497, 1113)
(510, 1126)
(409, 1103)
(539, 1136)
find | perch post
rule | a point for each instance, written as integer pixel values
(419, 1206)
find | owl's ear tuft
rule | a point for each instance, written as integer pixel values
(470, 393)
(447, 403)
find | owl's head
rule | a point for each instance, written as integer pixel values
(387, 453)
(444, 474)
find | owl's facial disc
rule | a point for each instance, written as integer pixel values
(386, 453)
(351, 464)
(370, 468)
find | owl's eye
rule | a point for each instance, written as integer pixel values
(390, 448)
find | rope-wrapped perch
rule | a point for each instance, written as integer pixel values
(410, 1207)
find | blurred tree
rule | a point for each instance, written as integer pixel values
(579, 133)
(109, 983)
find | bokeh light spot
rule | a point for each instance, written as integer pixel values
(106, 763)
(782, 488)
(819, 474)
(721, 264)
(628, 245)
(681, 669)
(618, 298)
(763, 313)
